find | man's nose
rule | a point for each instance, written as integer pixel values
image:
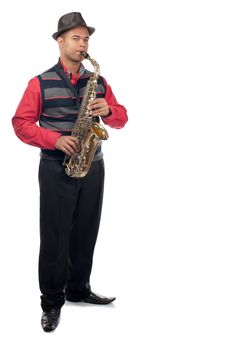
(82, 43)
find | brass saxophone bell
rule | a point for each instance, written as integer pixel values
(100, 131)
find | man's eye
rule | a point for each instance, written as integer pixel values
(78, 39)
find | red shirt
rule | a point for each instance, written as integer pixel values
(30, 107)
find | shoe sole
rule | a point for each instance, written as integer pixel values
(88, 302)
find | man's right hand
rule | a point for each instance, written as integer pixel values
(68, 144)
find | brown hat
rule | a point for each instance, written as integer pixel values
(69, 21)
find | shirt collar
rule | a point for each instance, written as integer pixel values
(72, 77)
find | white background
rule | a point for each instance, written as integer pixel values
(162, 243)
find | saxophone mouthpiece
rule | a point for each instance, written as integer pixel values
(84, 54)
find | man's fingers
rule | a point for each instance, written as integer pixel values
(69, 149)
(98, 103)
(72, 138)
(74, 144)
(99, 107)
(68, 144)
(66, 151)
(94, 104)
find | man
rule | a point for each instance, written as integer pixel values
(70, 208)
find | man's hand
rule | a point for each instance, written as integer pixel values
(68, 144)
(99, 107)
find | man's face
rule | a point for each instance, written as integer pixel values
(72, 42)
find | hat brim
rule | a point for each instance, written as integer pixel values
(91, 30)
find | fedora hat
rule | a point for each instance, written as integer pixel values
(69, 21)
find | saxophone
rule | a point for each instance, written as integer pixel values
(88, 132)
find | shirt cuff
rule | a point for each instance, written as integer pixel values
(51, 139)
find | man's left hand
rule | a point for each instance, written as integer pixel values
(99, 107)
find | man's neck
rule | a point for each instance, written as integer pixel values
(73, 67)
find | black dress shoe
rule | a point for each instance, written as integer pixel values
(92, 298)
(50, 319)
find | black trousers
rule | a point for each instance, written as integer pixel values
(70, 211)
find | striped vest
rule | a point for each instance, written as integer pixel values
(61, 102)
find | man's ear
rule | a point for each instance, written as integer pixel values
(60, 41)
